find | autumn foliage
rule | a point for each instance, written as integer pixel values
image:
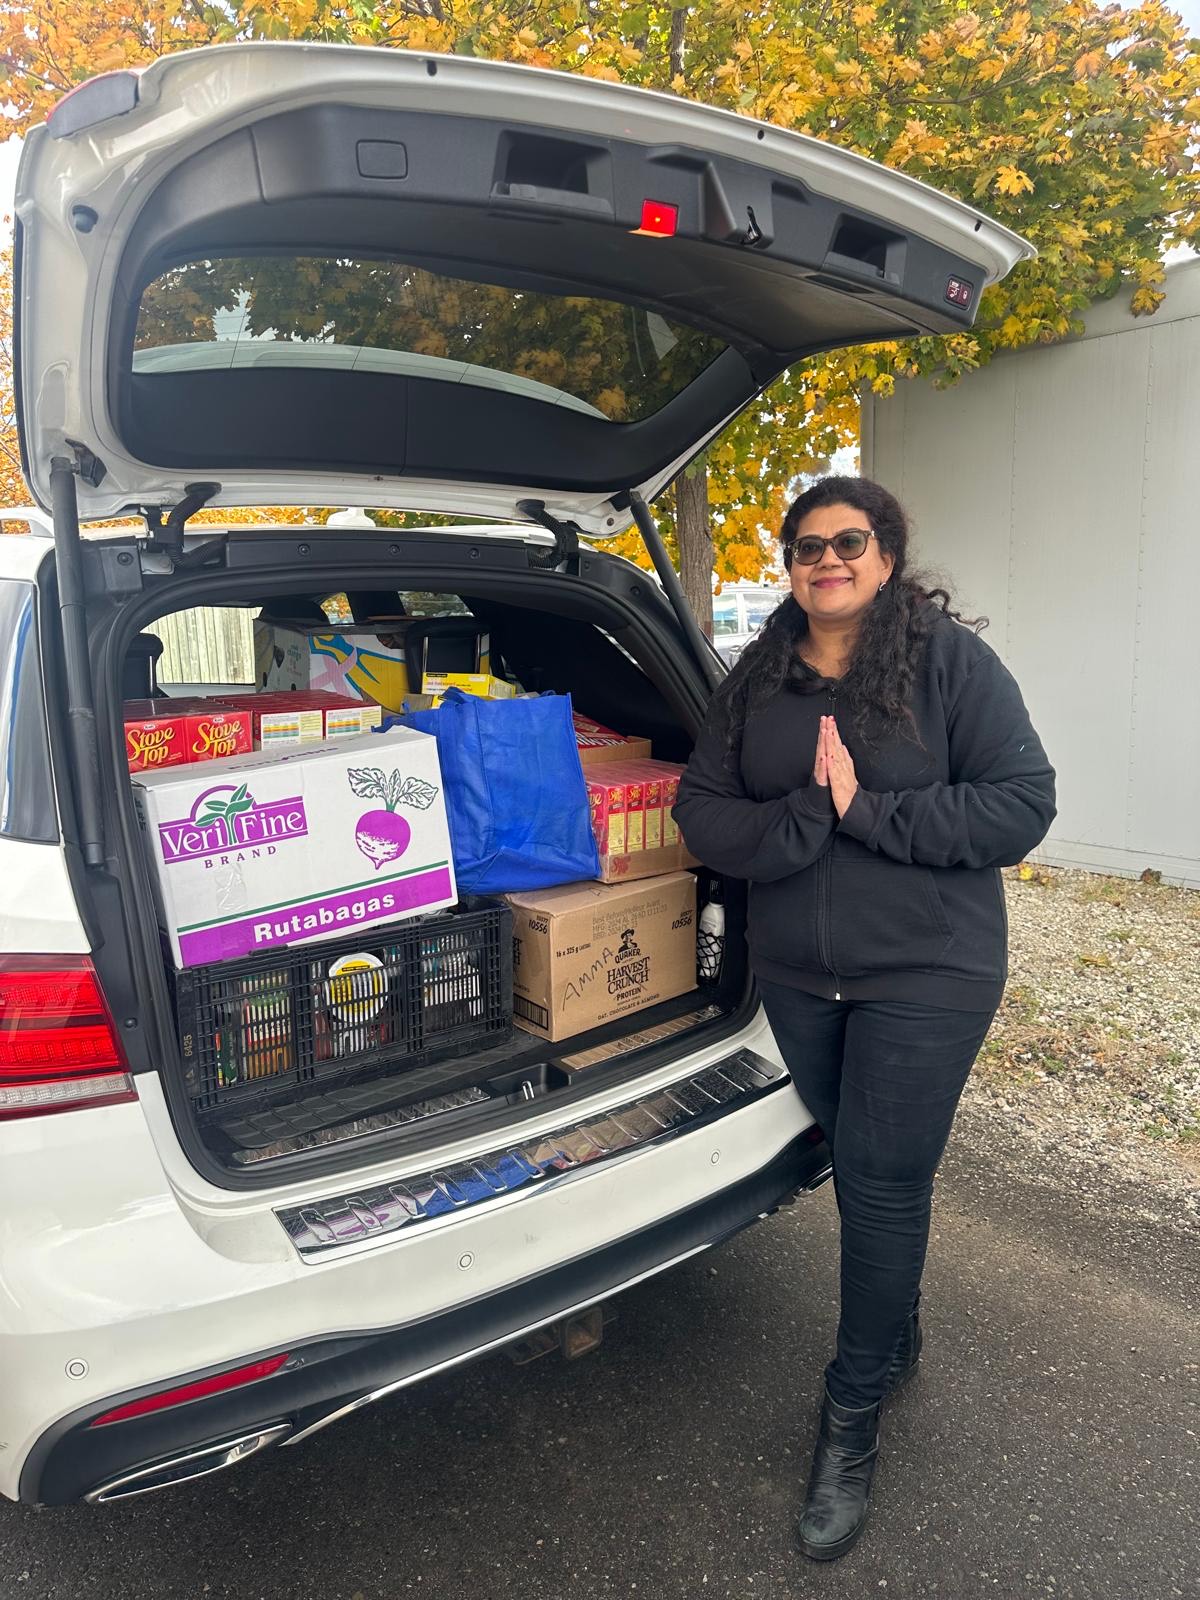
(1074, 123)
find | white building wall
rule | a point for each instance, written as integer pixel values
(1059, 490)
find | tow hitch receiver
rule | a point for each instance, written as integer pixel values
(572, 1337)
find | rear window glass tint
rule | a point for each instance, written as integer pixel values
(616, 361)
(27, 809)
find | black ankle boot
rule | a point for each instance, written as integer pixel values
(835, 1508)
(908, 1354)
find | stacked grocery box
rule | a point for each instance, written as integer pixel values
(632, 799)
(177, 732)
(589, 953)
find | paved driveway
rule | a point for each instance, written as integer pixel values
(1050, 1447)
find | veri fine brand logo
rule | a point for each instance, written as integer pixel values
(229, 818)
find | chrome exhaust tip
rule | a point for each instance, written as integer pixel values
(198, 1463)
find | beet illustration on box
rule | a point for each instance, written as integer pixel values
(384, 835)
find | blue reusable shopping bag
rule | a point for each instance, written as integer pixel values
(515, 792)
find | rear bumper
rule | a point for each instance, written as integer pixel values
(335, 1375)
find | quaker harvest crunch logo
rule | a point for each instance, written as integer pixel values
(631, 969)
(228, 818)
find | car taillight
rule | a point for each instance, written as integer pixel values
(58, 1048)
(217, 1384)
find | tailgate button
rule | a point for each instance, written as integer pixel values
(959, 292)
(382, 158)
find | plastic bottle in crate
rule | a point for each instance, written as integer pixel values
(710, 935)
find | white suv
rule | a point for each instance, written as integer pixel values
(739, 611)
(264, 275)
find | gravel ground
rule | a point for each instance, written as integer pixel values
(1096, 1048)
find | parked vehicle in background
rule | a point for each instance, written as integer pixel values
(740, 610)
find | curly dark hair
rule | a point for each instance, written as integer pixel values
(877, 687)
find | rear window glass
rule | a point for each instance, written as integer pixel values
(610, 360)
(27, 809)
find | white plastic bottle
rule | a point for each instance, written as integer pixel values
(710, 940)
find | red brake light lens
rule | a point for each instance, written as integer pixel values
(658, 219)
(234, 1379)
(58, 1046)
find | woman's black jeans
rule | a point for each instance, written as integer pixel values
(883, 1080)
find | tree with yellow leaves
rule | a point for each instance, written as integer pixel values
(1074, 123)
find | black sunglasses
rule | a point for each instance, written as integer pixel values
(848, 545)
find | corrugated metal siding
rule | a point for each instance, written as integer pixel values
(208, 644)
(1060, 490)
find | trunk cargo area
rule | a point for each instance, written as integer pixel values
(330, 1047)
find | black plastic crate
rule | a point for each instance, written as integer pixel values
(258, 1029)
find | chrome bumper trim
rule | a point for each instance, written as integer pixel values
(383, 1209)
(384, 1391)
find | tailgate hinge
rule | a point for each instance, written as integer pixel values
(566, 535)
(166, 538)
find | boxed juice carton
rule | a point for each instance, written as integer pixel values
(586, 953)
(265, 850)
(631, 804)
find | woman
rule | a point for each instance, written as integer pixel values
(869, 766)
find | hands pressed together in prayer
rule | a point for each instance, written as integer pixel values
(834, 766)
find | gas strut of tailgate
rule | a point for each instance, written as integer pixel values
(81, 707)
(81, 710)
(669, 578)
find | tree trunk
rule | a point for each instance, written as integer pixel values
(675, 42)
(694, 532)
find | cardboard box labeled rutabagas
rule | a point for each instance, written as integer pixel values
(278, 849)
(588, 952)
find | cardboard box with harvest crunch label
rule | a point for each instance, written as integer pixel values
(267, 850)
(588, 952)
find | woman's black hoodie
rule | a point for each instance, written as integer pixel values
(902, 898)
